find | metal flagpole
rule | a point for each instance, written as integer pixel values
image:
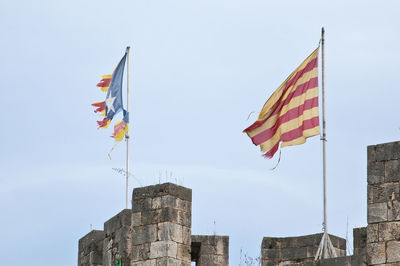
(323, 126)
(127, 133)
(325, 249)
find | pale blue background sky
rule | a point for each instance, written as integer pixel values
(199, 69)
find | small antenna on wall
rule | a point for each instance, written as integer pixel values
(123, 172)
(215, 227)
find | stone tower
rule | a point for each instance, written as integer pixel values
(378, 244)
(383, 231)
(155, 232)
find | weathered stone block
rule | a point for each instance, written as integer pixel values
(162, 190)
(139, 205)
(305, 241)
(108, 243)
(370, 194)
(394, 210)
(144, 263)
(184, 218)
(270, 243)
(372, 233)
(291, 242)
(122, 234)
(375, 172)
(212, 260)
(95, 257)
(141, 252)
(393, 251)
(178, 216)
(174, 202)
(170, 262)
(392, 191)
(90, 248)
(83, 261)
(387, 151)
(144, 234)
(371, 153)
(339, 252)
(156, 203)
(152, 216)
(107, 257)
(377, 212)
(376, 193)
(392, 171)
(342, 261)
(124, 218)
(376, 253)
(213, 240)
(208, 249)
(222, 246)
(271, 254)
(136, 219)
(359, 238)
(178, 191)
(359, 260)
(389, 231)
(167, 215)
(170, 231)
(93, 237)
(186, 235)
(143, 192)
(183, 252)
(118, 244)
(312, 250)
(171, 201)
(294, 253)
(161, 249)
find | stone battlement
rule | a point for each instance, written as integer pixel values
(157, 230)
(275, 250)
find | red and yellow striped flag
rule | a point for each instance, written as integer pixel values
(291, 113)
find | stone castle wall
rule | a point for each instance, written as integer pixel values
(162, 228)
(383, 231)
(292, 250)
(157, 230)
(300, 251)
(91, 249)
(210, 250)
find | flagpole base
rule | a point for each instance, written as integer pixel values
(325, 249)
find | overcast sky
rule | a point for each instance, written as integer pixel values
(198, 69)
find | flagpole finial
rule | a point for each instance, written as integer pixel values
(323, 30)
(128, 48)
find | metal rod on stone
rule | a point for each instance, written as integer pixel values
(127, 133)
